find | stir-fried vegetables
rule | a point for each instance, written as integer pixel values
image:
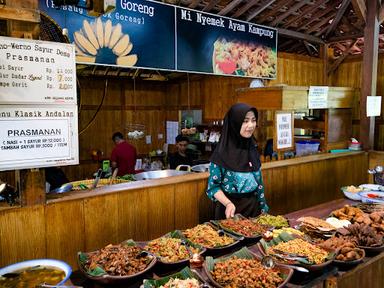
(206, 236)
(169, 249)
(300, 247)
(244, 227)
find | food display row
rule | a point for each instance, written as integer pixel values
(312, 244)
(234, 252)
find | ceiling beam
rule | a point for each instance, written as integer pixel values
(339, 14)
(317, 16)
(285, 44)
(294, 47)
(275, 10)
(210, 5)
(305, 12)
(19, 14)
(231, 5)
(280, 18)
(381, 14)
(321, 23)
(307, 46)
(339, 60)
(360, 9)
(260, 9)
(341, 47)
(194, 4)
(301, 36)
(344, 37)
(245, 8)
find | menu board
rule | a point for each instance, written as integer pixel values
(208, 43)
(155, 35)
(283, 130)
(33, 136)
(34, 72)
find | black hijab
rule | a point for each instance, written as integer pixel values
(235, 152)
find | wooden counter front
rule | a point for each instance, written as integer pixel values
(144, 210)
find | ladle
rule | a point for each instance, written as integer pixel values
(268, 262)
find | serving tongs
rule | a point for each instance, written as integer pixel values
(60, 286)
(289, 256)
(114, 174)
(98, 175)
(268, 262)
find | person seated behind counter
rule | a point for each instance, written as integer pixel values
(180, 157)
(123, 155)
(235, 182)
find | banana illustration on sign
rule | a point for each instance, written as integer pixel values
(97, 38)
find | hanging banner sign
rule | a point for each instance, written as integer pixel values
(136, 33)
(153, 35)
(211, 43)
(36, 72)
(32, 136)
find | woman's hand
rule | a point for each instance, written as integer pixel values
(230, 210)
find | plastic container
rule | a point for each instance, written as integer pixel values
(356, 146)
(306, 147)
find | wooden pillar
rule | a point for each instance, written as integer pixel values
(324, 55)
(369, 77)
(32, 186)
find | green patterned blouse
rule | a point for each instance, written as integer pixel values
(236, 182)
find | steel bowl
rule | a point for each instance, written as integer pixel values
(201, 168)
(158, 174)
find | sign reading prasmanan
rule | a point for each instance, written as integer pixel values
(33, 72)
(34, 136)
(154, 35)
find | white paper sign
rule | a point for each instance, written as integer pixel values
(373, 106)
(318, 97)
(172, 131)
(32, 136)
(34, 72)
(284, 130)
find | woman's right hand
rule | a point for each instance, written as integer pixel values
(230, 210)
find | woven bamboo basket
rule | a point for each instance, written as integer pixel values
(89, 182)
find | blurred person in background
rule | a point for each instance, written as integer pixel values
(180, 157)
(123, 155)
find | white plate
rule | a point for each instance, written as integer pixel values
(42, 262)
(366, 199)
(372, 187)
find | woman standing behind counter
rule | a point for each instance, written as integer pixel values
(235, 181)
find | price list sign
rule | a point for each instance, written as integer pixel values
(33, 136)
(33, 72)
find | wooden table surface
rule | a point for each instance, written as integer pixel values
(369, 274)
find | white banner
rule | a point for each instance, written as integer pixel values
(318, 97)
(32, 136)
(33, 72)
(284, 130)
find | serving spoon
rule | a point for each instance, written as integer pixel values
(60, 286)
(268, 262)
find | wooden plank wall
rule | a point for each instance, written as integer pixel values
(61, 229)
(21, 29)
(152, 103)
(349, 74)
